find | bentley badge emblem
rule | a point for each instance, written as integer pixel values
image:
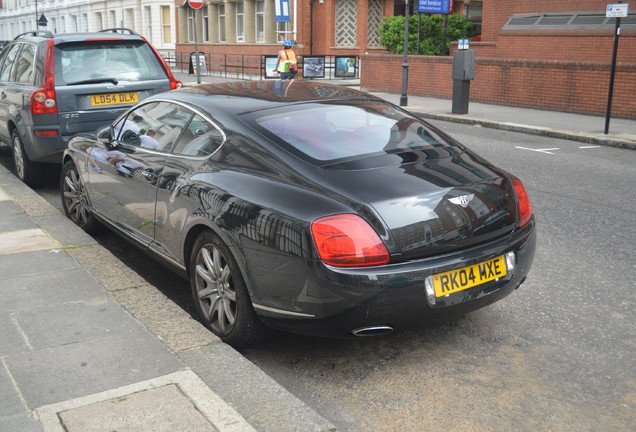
(463, 200)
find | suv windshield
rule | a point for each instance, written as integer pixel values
(106, 60)
(328, 131)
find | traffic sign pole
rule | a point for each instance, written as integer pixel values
(617, 11)
(194, 5)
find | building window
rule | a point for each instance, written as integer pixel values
(374, 19)
(84, 22)
(99, 24)
(282, 30)
(240, 23)
(346, 23)
(221, 11)
(568, 21)
(148, 20)
(129, 18)
(112, 18)
(190, 25)
(166, 26)
(205, 22)
(260, 21)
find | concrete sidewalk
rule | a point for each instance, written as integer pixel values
(86, 344)
(577, 127)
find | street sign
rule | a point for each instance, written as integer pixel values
(42, 22)
(435, 6)
(282, 10)
(194, 4)
(616, 10)
(462, 44)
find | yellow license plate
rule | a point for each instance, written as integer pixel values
(114, 98)
(467, 277)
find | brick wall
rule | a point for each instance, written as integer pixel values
(578, 87)
(574, 45)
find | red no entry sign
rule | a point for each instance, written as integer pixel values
(195, 4)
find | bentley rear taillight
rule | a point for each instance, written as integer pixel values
(523, 203)
(347, 240)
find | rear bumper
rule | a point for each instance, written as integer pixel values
(47, 149)
(342, 300)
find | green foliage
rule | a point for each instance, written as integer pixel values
(431, 34)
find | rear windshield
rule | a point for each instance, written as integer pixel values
(330, 131)
(108, 60)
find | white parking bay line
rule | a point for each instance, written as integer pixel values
(590, 146)
(547, 150)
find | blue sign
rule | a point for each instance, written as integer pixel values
(462, 44)
(282, 10)
(435, 6)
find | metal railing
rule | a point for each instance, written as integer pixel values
(256, 66)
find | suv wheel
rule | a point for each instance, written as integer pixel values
(29, 172)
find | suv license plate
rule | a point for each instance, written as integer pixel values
(114, 98)
(467, 277)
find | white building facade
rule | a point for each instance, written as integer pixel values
(153, 19)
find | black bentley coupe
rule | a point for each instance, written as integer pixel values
(304, 207)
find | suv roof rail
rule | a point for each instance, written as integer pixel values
(43, 33)
(119, 30)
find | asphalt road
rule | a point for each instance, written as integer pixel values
(559, 354)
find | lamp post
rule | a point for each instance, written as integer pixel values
(405, 64)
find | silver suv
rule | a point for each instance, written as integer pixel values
(54, 86)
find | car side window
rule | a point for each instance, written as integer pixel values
(24, 64)
(201, 138)
(9, 61)
(155, 125)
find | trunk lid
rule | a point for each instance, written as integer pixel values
(432, 205)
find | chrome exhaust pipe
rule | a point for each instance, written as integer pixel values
(372, 331)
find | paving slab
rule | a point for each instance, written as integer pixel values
(73, 322)
(10, 403)
(48, 289)
(20, 423)
(64, 231)
(56, 374)
(4, 196)
(180, 400)
(25, 240)
(11, 339)
(13, 217)
(34, 263)
(165, 409)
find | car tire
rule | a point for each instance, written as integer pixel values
(75, 199)
(220, 295)
(30, 173)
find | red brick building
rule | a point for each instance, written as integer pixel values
(543, 54)
(319, 27)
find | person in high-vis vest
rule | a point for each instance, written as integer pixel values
(286, 57)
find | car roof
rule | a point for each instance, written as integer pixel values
(247, 96)
(115, 33)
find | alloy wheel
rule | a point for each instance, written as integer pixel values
(215, 289)
(75, 198)
(18, 157)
